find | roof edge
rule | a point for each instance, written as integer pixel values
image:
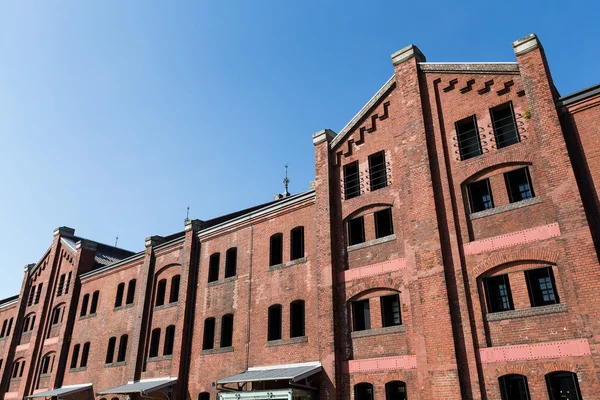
(579, 95)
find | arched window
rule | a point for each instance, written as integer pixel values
(154, 342)
(110, 351)
(10, 322)
(208, 341)
(94, 304)
(297, 318)
(47, 364)
(169, 340)
(363, 391)
(514, 387)
(119, 298)
(130, 292)
(122, 348)
(57, 314)
(395, 390)
(84, 305)
(227, 330)
(161, 288)
(563, 385)
(75, 356)
(213, 267)
(28, 323)
(18, 368)
(276, 249)
(297, 243)
(231, 262)
(174, 295)
(274, 322)
(85, 354)
(204, 396)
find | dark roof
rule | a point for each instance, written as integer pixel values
(8, 299)
(579, 95)
(105, 254)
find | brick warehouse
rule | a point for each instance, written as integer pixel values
(448, 250)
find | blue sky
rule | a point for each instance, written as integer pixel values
(115, 116)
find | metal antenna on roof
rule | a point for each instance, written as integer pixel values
(116, 240)
(286, 182)
(187, 214)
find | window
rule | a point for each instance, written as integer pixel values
(38, 293)
(498, 295)
(274, 322)
(227, 330)
(47, 364)
(2, 333)
(10, 322)
(361, 315)
(297, 243)
(75, 356)
(122, 348)
(213, 267)
(518, 184)
(297, 318)
(61, 285)
(480, 195)
(395, 390)
(84, 305)
(390, 310)
(18, 368)
(110, 351)
(85, 354)
(505, 125)
(276, 249)
(542, 288)
(356, 231)
(383, 223)
(363, 391)
(57, 315)
(161, 289)
(31, 296)
(94, 305)
(351, 180)
(28, 323)
(231, 262)
(119, 298)
(68, 284)
(154, 342)
(169, 340)
(130, 292)
(204, 396)
(563, 385)
(208, 341)
(514, 387)
(377, 171)
(174, 295)
(467, 136)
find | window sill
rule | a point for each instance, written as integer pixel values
(45, 375)
(160, 358)
(526, 312)
(287, 264)
(220, 350)
(77, 369)
(222, 281)
(505, 208)
(158, 308)
(283, 342)
(87, 316)
(378, 331)
(371, 243)
(117, 364)
(123, 307)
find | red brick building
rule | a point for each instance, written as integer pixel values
(448, 250)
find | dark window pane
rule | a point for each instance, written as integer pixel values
(154, 343)
(377, 171)
(75, 356)
(361, 315)
(480, 195)
(174, 295)
(356, 231)
(226, 330)
(563, 386)
(274, 328)
(68, 283)
(351, 180)
(383, 223)
(213, 267)
(122, 348)
(38, 293)
(505, 125)
(110, 351)
(467, 135)
(119, 298)
(395, 390)
(498, 295)
(542, 287)
(85, 354)
(297, 243)
(94, 304)
(297, 318)
(276, 249)
(130, 292)
(61, 285)
(390, 310)
(169, 340)
(231, 262)
(514, 387)
(204, 396)
(84, 305)
(518, 183)
(363, 391)
(161, 288)
(208, 341)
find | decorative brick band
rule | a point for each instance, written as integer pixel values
(379, 364)
(567, 348)
(370, 270)
(512, 239)
(22, 347)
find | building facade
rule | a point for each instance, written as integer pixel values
(448, 249)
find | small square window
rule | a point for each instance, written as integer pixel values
(361, 315)
(377, 171)
(542, 287)
(383, 223)
(518, 184)
(356, 231)
(480, 195)
(351, 180)
(467, 135)
(498, 295)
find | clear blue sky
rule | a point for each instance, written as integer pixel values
(116, 115)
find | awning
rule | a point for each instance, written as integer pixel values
(63, 391)
(142, 387)
(291, 372)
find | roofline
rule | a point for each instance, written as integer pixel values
(269, 367)
(108, 267)
(9, 301)
(579, 95)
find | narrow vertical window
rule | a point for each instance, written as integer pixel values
(57, 315)
(122, 348)
(47, 364)
(85, 354)
(467, 136)
(505, 125)
(61, 285)
(390, 310)
(130, 292)
(395, 390)
(480, 195)
(213, 267)
(377, 171)
(174, 295)
(10, 322)
(84, 305)
(383, 223)
(297, 243)
(274, 322)
(363, 391)
(514, 387)
(161, 288)
(563, 385)
(498, 295)
(351, 180)
(356, 231)
(297, 318)
(231, 262)
(154, 342)
(68, 283)
(119, 298)
(226, 330)
(38, 293)
(31, 296)
(208, 340)
(518, 184)
(75, 356)
(361, 315)
(110, 351)
(94, 304)
(542, 287)
(276, 249)
(169, 340)
(3, 332)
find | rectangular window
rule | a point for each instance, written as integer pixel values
(297, 243)
(227, 330)
(356, 231)
(467, 136)
(94, 304)
(61, 285)
(497, 293)
(377, 171)
(480, 195)
(297, 318)
(274, 322)
(505, 125)
(38, 293)
(542, 287)
(383, 223)
(154, 342)
(390, 310)
(130, 292)
(169, 340)
(351, 180)
(85, 354)
(213, 267)
(110, 351)
(276, 249)
(208, 341)
(361, 315)
(518, 184)
(68, 284)
(122, 348)
(75, 356)
(231, 262)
